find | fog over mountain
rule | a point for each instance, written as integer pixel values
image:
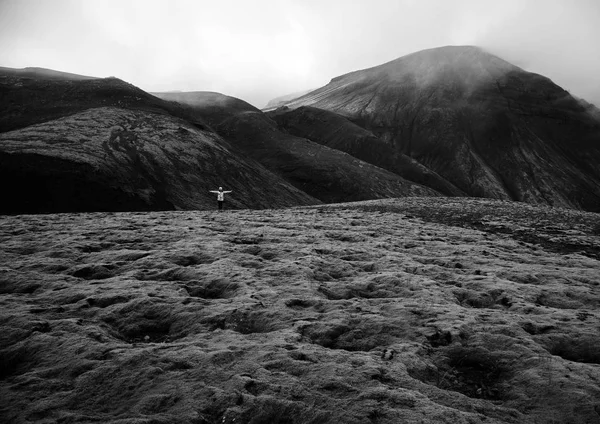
(264, 49)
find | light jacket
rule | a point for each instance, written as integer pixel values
(220, 194)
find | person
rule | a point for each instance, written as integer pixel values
(220, 196)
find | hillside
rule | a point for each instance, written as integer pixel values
(486, 126)
(28, 98)
(323, 173)
(437, 310)
(335, 131)
(42, 73)
(281, 100)
(112, 159)
(73, 145)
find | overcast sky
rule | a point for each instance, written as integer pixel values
(260, 49)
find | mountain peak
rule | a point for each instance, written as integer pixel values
(425, 67)
(473, 119)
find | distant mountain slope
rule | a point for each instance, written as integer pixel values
(113, 159)
(42, 73)
(27, 100)
(278, 101)
(335, 131)
(326, 174)
(486, 126)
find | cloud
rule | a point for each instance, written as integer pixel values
(260, 49)
(558, 39)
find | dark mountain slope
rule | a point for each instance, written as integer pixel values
(488, 127)
(326, 174)
(33, 97)
(335, 131)
(44, 73)
(278, 101)
(72, 145)
(112, 159)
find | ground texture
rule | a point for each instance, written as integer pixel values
(413, 310)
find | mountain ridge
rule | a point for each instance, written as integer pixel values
(42, 73)
(327, 174)
(106, 145)
(476, 120)
(454, 120)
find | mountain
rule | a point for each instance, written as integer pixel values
(454, 121)
(323, 173)
(590, 108)
(39, 97)
(105, 145)
(42, 73)
(486, 126)
(278, 101)
(335, 131)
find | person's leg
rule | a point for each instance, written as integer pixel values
(220, 202)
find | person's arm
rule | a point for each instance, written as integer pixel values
(227, 191)
(213, 191)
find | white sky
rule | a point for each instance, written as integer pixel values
(260, 49)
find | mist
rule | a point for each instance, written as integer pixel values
(258, 49)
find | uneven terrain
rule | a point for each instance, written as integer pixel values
(432, 310)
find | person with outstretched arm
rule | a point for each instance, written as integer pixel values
(220, 196)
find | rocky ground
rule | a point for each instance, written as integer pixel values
(412, 310)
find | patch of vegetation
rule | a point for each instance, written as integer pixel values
(274, 411)
(92, 272)
(105, 301)
(534, 329)
(468, 369)
(9, 285)
(12, 361)
(378, 288)
(557, 300)
(585, 349)
(218, 288)
(355, 334)
(475, 299)
(303, 303)
(192, 259)
(245, 322)
(142, 321)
